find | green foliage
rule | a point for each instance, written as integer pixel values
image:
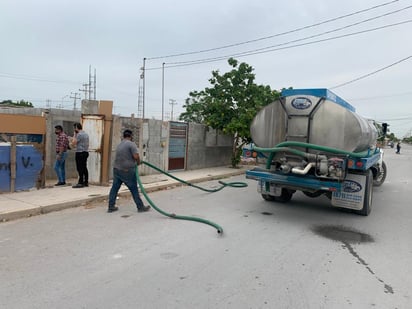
(407, 140)
(391, 137)
(20, 103)
(230, 104)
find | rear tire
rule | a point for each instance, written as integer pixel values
(284, 197)
(367, 197)
(268, 197)
(313, 194)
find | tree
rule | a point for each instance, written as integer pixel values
(230, 104)
(20, 103)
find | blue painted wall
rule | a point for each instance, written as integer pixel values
(28, 166)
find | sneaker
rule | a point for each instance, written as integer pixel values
(60, 184)
(86, 184)
(113, 209)
(79, 185)
(143, 209)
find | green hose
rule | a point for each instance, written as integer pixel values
(284, 147)
(174, 216)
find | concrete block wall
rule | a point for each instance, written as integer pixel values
(207, 148)
(153, 145)
(66, 119)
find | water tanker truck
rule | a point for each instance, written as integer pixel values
(313, 141)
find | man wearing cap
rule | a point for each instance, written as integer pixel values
(124, 171)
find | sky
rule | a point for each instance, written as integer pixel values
(361, 50)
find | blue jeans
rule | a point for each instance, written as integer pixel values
(59, 167)
(129, 179)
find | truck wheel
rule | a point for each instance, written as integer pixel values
(268, 197)
(381, 176)
(367, 198)
(284, 197)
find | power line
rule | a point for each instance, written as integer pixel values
(37, 79)
(259, 51)
(309, 37)
(396, 119)
(274, 35)
(372, 73)
(380, 96)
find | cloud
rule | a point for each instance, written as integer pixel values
(58, 40)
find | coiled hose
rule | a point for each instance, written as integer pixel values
(189, 218)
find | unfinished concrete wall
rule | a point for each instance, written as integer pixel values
(153, 144)
(119, 124)
(150, 136)
(207, 147)
(66, 119)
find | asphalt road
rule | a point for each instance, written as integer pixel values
(304, 254)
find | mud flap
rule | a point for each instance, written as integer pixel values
(352, 193)
(267, 188)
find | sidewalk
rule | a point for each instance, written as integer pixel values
(35, 202)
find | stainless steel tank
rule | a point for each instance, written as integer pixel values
(315, 116)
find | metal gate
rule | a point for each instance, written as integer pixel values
(94, 126)
(177, 145)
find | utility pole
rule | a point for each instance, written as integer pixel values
(144, 85)
(48, 103)
(167, 116)
(75, 97)
(94, 85)
(85, 90)
(61, 105)
(163, 91)
(90, 87)
(172, 102)
(140, 98)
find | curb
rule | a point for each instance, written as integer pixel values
(39, 210)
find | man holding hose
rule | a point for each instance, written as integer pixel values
(124, 171)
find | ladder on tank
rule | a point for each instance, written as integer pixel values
(303, 122)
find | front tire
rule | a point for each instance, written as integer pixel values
(381, 176)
